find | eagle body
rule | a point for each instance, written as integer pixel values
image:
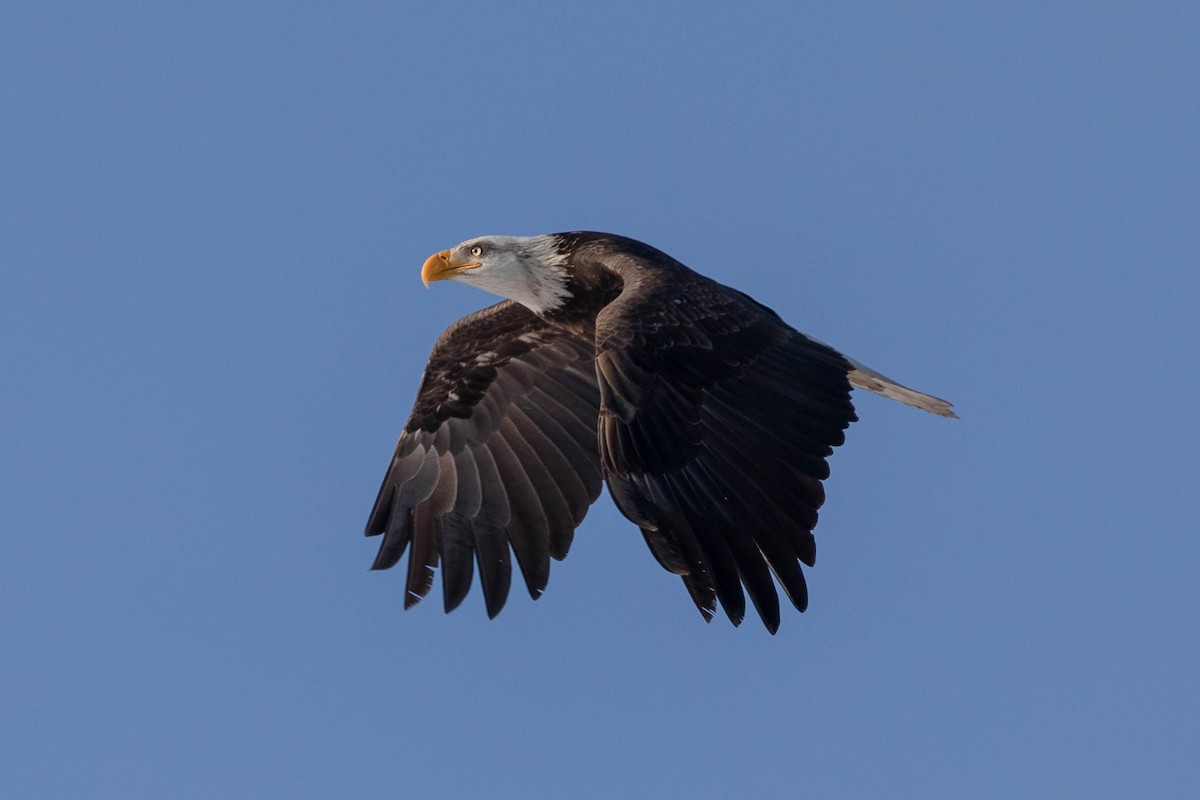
(709, 418)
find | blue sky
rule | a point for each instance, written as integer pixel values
(212, 220)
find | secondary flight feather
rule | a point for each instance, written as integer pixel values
(709, 418)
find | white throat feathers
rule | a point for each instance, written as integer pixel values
(527, 269)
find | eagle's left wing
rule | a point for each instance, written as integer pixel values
(716, 419)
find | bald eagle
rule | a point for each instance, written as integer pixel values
(709, 418)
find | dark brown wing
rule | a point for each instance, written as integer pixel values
(716, 420)
(500, 451)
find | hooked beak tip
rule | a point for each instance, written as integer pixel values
(436, 267)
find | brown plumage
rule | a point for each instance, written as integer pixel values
(709, 418)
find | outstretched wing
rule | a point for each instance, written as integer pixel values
(500, 451)
(716, 421)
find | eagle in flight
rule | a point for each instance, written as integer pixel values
(609, 362)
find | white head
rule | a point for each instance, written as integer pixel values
(527, 269)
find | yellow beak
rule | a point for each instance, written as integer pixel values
(439, 267)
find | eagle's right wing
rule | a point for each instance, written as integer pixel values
(500, 451)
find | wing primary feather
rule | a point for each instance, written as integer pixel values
(691, 518)
(395, 537)
(663, 548)
(382, 510)
(458, 559)
(700, 578)
(403, 466)
(782, 561)
(527, 528)
(579, 474)
(494, 509)
(550, 473)
(794, 523)
(702, 593)
(424, 556)
(469, 498)
(756, 576)
(495, 569)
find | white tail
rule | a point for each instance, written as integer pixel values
(866, 378)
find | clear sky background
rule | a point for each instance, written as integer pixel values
(212, 221)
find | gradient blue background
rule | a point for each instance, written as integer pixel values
(212, 219)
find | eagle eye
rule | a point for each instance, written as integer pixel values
(476, 250)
